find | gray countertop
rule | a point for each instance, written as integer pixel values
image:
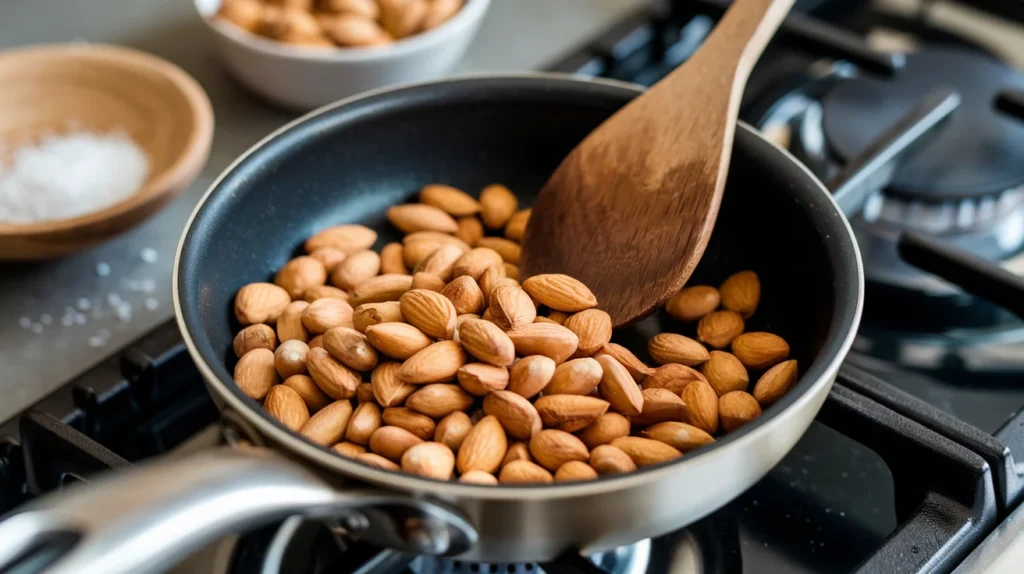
(58, 318)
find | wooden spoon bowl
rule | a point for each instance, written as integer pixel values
(53, 89)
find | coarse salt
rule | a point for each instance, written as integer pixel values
(69, 175)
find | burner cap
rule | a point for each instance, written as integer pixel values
(978, 152)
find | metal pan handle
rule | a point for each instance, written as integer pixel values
(147, 519)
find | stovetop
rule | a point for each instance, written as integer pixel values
(918, 452)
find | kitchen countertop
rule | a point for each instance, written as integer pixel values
(59, 318)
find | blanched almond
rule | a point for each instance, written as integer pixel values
(258, 336)
(369, 314)
(741, 292)
(718, 329)
(285, 405)
(438, 400)
(575, 377)
(325, 314)
(757, 350)
(322, 292)
(702, 402)
(560, 292)
(397, 340)
(381, 288)
(419, 425)
(453, 429)
(594, 329)
(348, 449)
(289, 323)
(645, 451)
(570, 412)
(392, 259)
(607, 459)
(548, 339)
(470, 229)
(255, 373)
(736, 409)
(356, 269)
(311, 394)
(692, 303)
(300, 274)
(674, 348)
(479, 378)
(575, 470)
(509, 250)
(516, 414)
(429, 459)
(725, 373)
(673, 377)
(351, 348)
(388, 389)
(680, 436)
(637, 369)
(392, 442)
(328, 425)
(364, 422)
(661, 405)
(775, 382)
(334, 379)
(465, 295)
(484, 447)
(618, 388)
(524, 472)
(435, 364)
(497, 205)
(475, 261)
(345, 238)
(478, 477)
(529, 375)
(552, 448)
(260, 303)
(605, 429)
(449, 199)
(290, 358)
(516, 226)
(413, 217)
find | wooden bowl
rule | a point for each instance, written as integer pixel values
(48, 89)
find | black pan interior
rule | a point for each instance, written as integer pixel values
(349, 163)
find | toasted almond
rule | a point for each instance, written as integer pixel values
(377, 461)
(608, 459)
(451, 200)
(306, 388)
(725, 373)
(484, 447)
(438, 400)
(510, 251)
(560, 292)
(702, 402)
(364, 394)
(637, 369)
(289, 323)
(516, 226)
(325, 314)
(300, 274)
(645, 451)
(244, 14)
(381, 288)
(618, 388)
(348, 449)
(328, 425)
(511, 307)
(470, 229)
(430, 312)
(329, 257)
(434, 237)
(673, 377)
(365, 8)
(575, 470)
(529, 375)
(570, 413)
(397, 340)
(258, 336)
(356, 269)
(524, 472)
(435, 364)
(351, 348)
(419, 425)
(392, 259)
(517, 451)
(392, 442)
(546, 339)
(453, 429)
(737, 409)
(517, 415)
(334, 379)
(403, 18)
(575, 377)
(440, 262)
(255, 373)
(364, 422)
(605, 429)
(718, 329)
(345, 238)
(758, 350)
(475, 261)
(497, 205)
(661, 405)
(479, 378)
(465, 294)
(478, 477)
(322, 292)
(413, 217)
(594, 329)
(775, 382)
(260, 303)
(674, 348)
(692, 303)
(388, 389)
(290, 358)
(369, 314)
(552, 448)
(485, 341)
(741, 292)
(429, 459)
(285, 405)
(427, 282)
(680, 436)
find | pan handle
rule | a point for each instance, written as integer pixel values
(147, 519)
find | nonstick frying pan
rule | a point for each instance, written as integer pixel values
(348, 163)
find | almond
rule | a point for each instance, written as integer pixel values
(516, 414)
(356, 269)
(351, 348)
(328, 425)
(381, 288)
(702, 401)
(637, 369)
(497, 205)
(438, 400)
(325, 314)
(413, 217)
(329, 257)
(645, 451)
(725, 373)
(311, 394)
(479, 378)
(402, 417)
(737, 409)
(575, 470)
(322, 292)
(290, 358)
(475, 261)
(364, 394)
(484, 447)
(661, 405)
(524, 472)
(550, 340)
(552, 448)
(478, 477)
(427, 282)
(260, 303)
(509, 250)
(369, 314)
(388, 389)
(440, 262)
(570, 413)
(397, 340)
(285, 405)
(560, 292)
(741, 292)
(255, 373)
(377, 461)
(429, 459)
(465, 295)
(511, 307)
(392, 259)
(680, 436)
(692, 303)
(434, 237)
(334, 379)
(258, 336)
(414, 253)
(516, 226)
(594, 329)
(485, 341)
(775, 382)
(529, 375)
(517, 451)
(435, 364)
(758, 350)
(618, 388)
(674, 348)
(470, 229)
(453, 430)
(431, 312)
(289, 323)
(364, 422)
(605, 429)
(300, 274)
(345, 238)
(575, 377)
(718, 329)
(316, 342)
(392, 442)
(403, 18)
(673, 377)
(608, 459)
(348, 449)
(365, 8)
(451, 200)
(512, 271)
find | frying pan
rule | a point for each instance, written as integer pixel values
(349, 162)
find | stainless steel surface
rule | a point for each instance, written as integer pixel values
(124, 286)
(145, 520)
(1002, 552)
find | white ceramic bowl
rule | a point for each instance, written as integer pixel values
(303, 78)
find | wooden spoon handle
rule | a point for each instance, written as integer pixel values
(740, 37)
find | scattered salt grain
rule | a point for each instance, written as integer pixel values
(68, 175)
(102, 269)
(149, 255)
(151, 304)
(25, 322)
(84, 303)
(96, 341)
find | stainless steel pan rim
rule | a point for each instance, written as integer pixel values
(824, 374)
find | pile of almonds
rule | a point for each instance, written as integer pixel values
(345, 23)
(432, 358)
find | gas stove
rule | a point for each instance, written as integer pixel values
(916, 461)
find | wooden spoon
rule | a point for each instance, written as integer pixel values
(630, 210)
